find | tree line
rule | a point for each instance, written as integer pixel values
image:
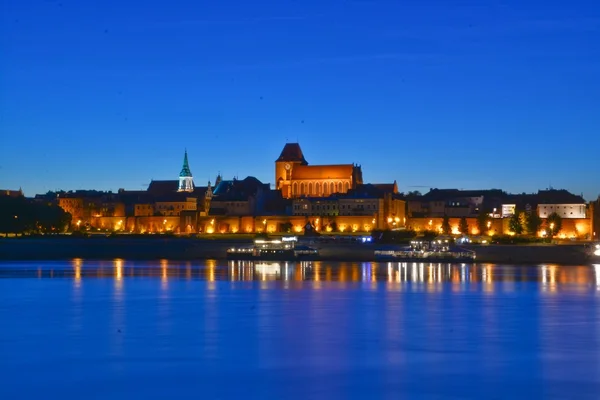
(19, 215)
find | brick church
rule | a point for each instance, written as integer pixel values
(295, 178)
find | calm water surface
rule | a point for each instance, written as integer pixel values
(129, 330)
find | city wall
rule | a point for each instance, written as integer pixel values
(571, 228)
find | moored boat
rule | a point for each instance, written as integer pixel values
(279, 249)
(427, 250)
(594, 251)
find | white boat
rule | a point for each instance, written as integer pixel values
(428, 250)
(277, 249)
(594, 251)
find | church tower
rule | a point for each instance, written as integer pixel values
(186, 181)
(290, 156)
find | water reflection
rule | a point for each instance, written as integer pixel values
(77, 268)
(550, 276)
(164, 273)
(118, 307)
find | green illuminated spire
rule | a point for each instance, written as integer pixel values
(186, 182)
(185, 171)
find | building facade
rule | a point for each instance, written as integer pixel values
(295, 178)
(563, 210)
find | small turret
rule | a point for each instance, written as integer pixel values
(209, 191)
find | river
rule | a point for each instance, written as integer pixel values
(120, 329)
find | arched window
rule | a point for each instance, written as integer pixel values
(325, 189)
(318, 189)
(295, 189)
(331, 187)
(346, 186)
(339, 187)
(310, 189)
(302, 189)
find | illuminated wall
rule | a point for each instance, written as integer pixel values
(579, 228)
(172, 208)
(297, 180)
(73, 206)
(563, 210)
(571, 228)
(595, 219)
(496, 225)
(144, 210)
(320, 187)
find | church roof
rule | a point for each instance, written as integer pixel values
(238, 190)
(11, 193)
(185, 170)
(292, 152)
(158, 188)
(366, 191)
(340, 171)
(387, 187)
(174, 197)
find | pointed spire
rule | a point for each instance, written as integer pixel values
(185, 170)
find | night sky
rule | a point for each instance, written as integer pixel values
(432, 93)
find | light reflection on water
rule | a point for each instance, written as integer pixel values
(298, 330)
(432, 274)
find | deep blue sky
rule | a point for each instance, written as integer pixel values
(433, 93)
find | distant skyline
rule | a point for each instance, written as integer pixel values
(431, 93)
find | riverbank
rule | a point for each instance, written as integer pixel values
(178, 248)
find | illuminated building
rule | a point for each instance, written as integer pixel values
(323, 197)
(295, 178)
(11, 193)
(186, 181)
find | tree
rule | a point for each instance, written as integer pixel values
(446, 225)
(554, 224)
(514, 224)
(286, 227)
(334, 227)
(463, 226)
(20, 215)
(482, 222)
(414, 193)
(533, 223)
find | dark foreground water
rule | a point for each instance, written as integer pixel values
(127, 330)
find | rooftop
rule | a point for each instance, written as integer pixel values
(340, 171)
(292, 152)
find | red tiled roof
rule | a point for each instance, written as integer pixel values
(342, 171)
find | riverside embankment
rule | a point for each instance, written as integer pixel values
(178, 248)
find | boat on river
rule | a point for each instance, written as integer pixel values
(276, 249)
(593, 252)
(427, 250)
